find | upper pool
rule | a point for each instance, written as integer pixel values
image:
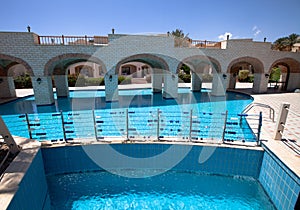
(138, 114)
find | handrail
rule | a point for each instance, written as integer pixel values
(138, 125)
(250, 106)
(72, 40)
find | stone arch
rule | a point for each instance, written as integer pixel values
(291, 63)
(59, 64)
(7, 61)
(152, 60)
(258, 66)
(291, 66)
(194, 61)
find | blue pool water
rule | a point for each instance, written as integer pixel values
(171, 190)
(74, 116)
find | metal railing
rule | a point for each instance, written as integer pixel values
(254, 104)
(205, 44)
(136, 125)
(72, 40)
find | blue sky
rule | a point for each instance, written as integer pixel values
(200, 19)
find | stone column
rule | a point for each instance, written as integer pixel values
(111, 87)
(43, 90)
(260, 84)
(294, 82)
(170, 85)
(219, 84)
(196, 82)
(61, 84)
(232, 81)
(156, 79)
(7, 87)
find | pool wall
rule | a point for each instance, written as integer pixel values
(280, 183)
(32, 190)
(224, 160)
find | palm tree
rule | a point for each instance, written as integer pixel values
(181, 39)
(178, 33)
(286, 43)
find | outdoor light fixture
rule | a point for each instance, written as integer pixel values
(267, 75)
(28, 28)
(110, 78)
(39, 80)
(173, 76)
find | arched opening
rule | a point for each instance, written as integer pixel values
(246, 73)
(75, 69)
(199, 71)
(15, 73)
(142, 69)
(284, 75)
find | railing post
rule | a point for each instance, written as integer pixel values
(8, 139)
(191, 125)
(28, 126)
(157, 130)
(283, 113)
(225, 123)
(127, 125)
(63, 39)
(259, 128)
(63, 125)
(95, 125)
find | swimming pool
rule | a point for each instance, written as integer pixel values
(138, 115)
(170, 190)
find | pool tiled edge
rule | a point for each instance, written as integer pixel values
(23, 185)
(279, 181)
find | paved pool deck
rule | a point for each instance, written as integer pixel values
(273, 99)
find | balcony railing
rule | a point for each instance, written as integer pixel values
(205, 44)
(185, 42)
(73, 40)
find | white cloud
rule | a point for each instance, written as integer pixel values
(256, 31)
(224, 36)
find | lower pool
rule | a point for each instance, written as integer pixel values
(170, 190)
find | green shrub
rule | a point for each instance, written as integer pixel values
(275, 75)
(251, 78)
(124, 80)
(243, 75)
(94, 81)
(23, 81)
(186, 78)
(207, 77)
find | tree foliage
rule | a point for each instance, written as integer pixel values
(286, 43)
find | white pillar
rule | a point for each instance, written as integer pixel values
(61, 84)
(293, 82)
(111, 87)
(7, 87)
(170, 85)
(156, 79)
(281, 121)
(219, 84)
(232, 81)
(260, 84)
(43, 90)
(196, 82)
